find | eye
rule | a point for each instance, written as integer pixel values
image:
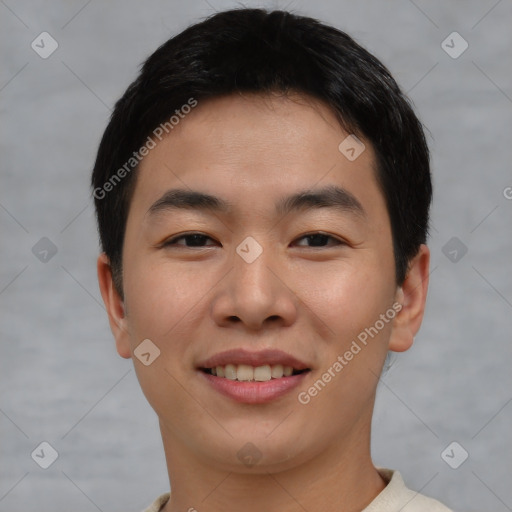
(320, 240)
(199, 240)
(193, 239)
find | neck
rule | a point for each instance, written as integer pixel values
(340, 478)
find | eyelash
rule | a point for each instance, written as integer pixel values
(172, 241)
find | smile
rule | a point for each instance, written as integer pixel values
(252, 377)
(248, 373)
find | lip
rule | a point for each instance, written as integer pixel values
(252, 392)
(260, 358)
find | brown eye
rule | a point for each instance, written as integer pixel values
(190, 239)
(319, 240)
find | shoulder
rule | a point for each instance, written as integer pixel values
(394, 498)
(157, 505)
(397, 497)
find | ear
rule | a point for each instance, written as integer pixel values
(412, 295)
(115, 307)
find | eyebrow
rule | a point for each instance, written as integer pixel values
(330, 196)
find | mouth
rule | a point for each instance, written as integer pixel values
(248, 373)
(253, 377)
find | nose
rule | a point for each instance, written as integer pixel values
(255, 295)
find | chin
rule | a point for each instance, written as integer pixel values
(261, 453)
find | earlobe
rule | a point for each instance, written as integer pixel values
(412, 295)
(114, 306)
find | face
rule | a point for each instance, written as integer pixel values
(285, 267)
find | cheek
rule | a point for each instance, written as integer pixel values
(163, 306)
(348, 297)
(158, 298)
(351, 304)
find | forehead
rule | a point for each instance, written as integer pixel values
(250, 149)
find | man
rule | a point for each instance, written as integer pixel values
(262, 192)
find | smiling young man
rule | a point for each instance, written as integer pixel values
(262, 192)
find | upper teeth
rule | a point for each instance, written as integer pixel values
(245, 372)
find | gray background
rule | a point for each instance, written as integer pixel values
(61, 379)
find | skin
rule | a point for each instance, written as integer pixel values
(310, 301)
